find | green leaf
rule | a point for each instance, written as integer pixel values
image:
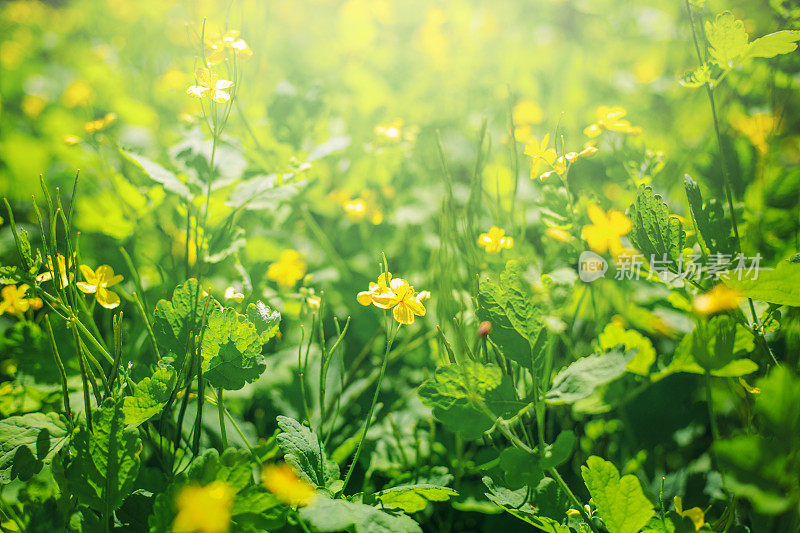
(697, 77)
(713, 229)
(780, 42)
(332, 516)
(231, 350)
(458, 393)
(780, 286)
(615, 335)
(727, 39)
(265, 320)
(517, 328)
(655, 232)
(29, 442)
(620, 502)
(149, 397)
(174, 321)
(303, 450)
(100, 467)
(549, 504)
(581, 378)
(521, 468)
(157, 173)
(413, 498)
(560, 451)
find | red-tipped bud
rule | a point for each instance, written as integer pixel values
(484, 328)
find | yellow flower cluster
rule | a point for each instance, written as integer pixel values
(282, 481)
(288, 269)
(94, 126)
(362, 207)
(97, 283)
(495, 240)
(540, 153)
(210, 86)
(610, 118)
(395, 294)
(395, 131)
(15, 302)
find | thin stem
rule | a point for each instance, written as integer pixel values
(368, 421)
(60, 365)
(221, 410)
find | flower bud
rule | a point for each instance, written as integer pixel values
(484, 328)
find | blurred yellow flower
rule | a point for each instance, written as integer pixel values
(494, 240)
(78, 93)
(209, 86)
(230, 40)
(524, 114)
(558, 234)
(695, 514)
(365, 297)
(404, 302)
(392, 131)
(63, 276)
(720, 298)
(540, 152)
(97, 283)
(97, 125)
(204, 509)
(14, 301)
(359, 208)
(757, 128)
(283, 482)
(588, 151)
(606, 229)
(288, 269)
(32, 105)
(610, 118)
(232, 294)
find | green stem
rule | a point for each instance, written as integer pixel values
(221, 410)
(60, 365)
(368, 422)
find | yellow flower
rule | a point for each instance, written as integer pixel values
(204, 509)
(209, 86)
(97, 283)
(720, 298)
(495, 240)
(358, 208)
(365, 297)
(588, 151)
(606, 229)
(283, 482)
(78, 93)
(404, 302)
(695, 514)
(97, 125)
(14, 301)
(540, 152)
(63, 276)
(231, 294)
(757, 128)
(289, 268)
(32, 105)
(219, 47)
(610, 118)
(391, 132)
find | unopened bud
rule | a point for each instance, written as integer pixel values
(484, 328)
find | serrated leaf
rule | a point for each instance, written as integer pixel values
(581, 378)
(615, 335)
(560, 451)
(174, 321)
(29, 442)
(780, 42)
(304, 451)
(521, 468)
(727, 39)
(713, 229)
(265, 320)
(159, 174)
(100, 467)
(332, 516)
(620, 502)
(231, 350)
(414, 498)
(655, 232)
(780, 286)
(149, 397)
